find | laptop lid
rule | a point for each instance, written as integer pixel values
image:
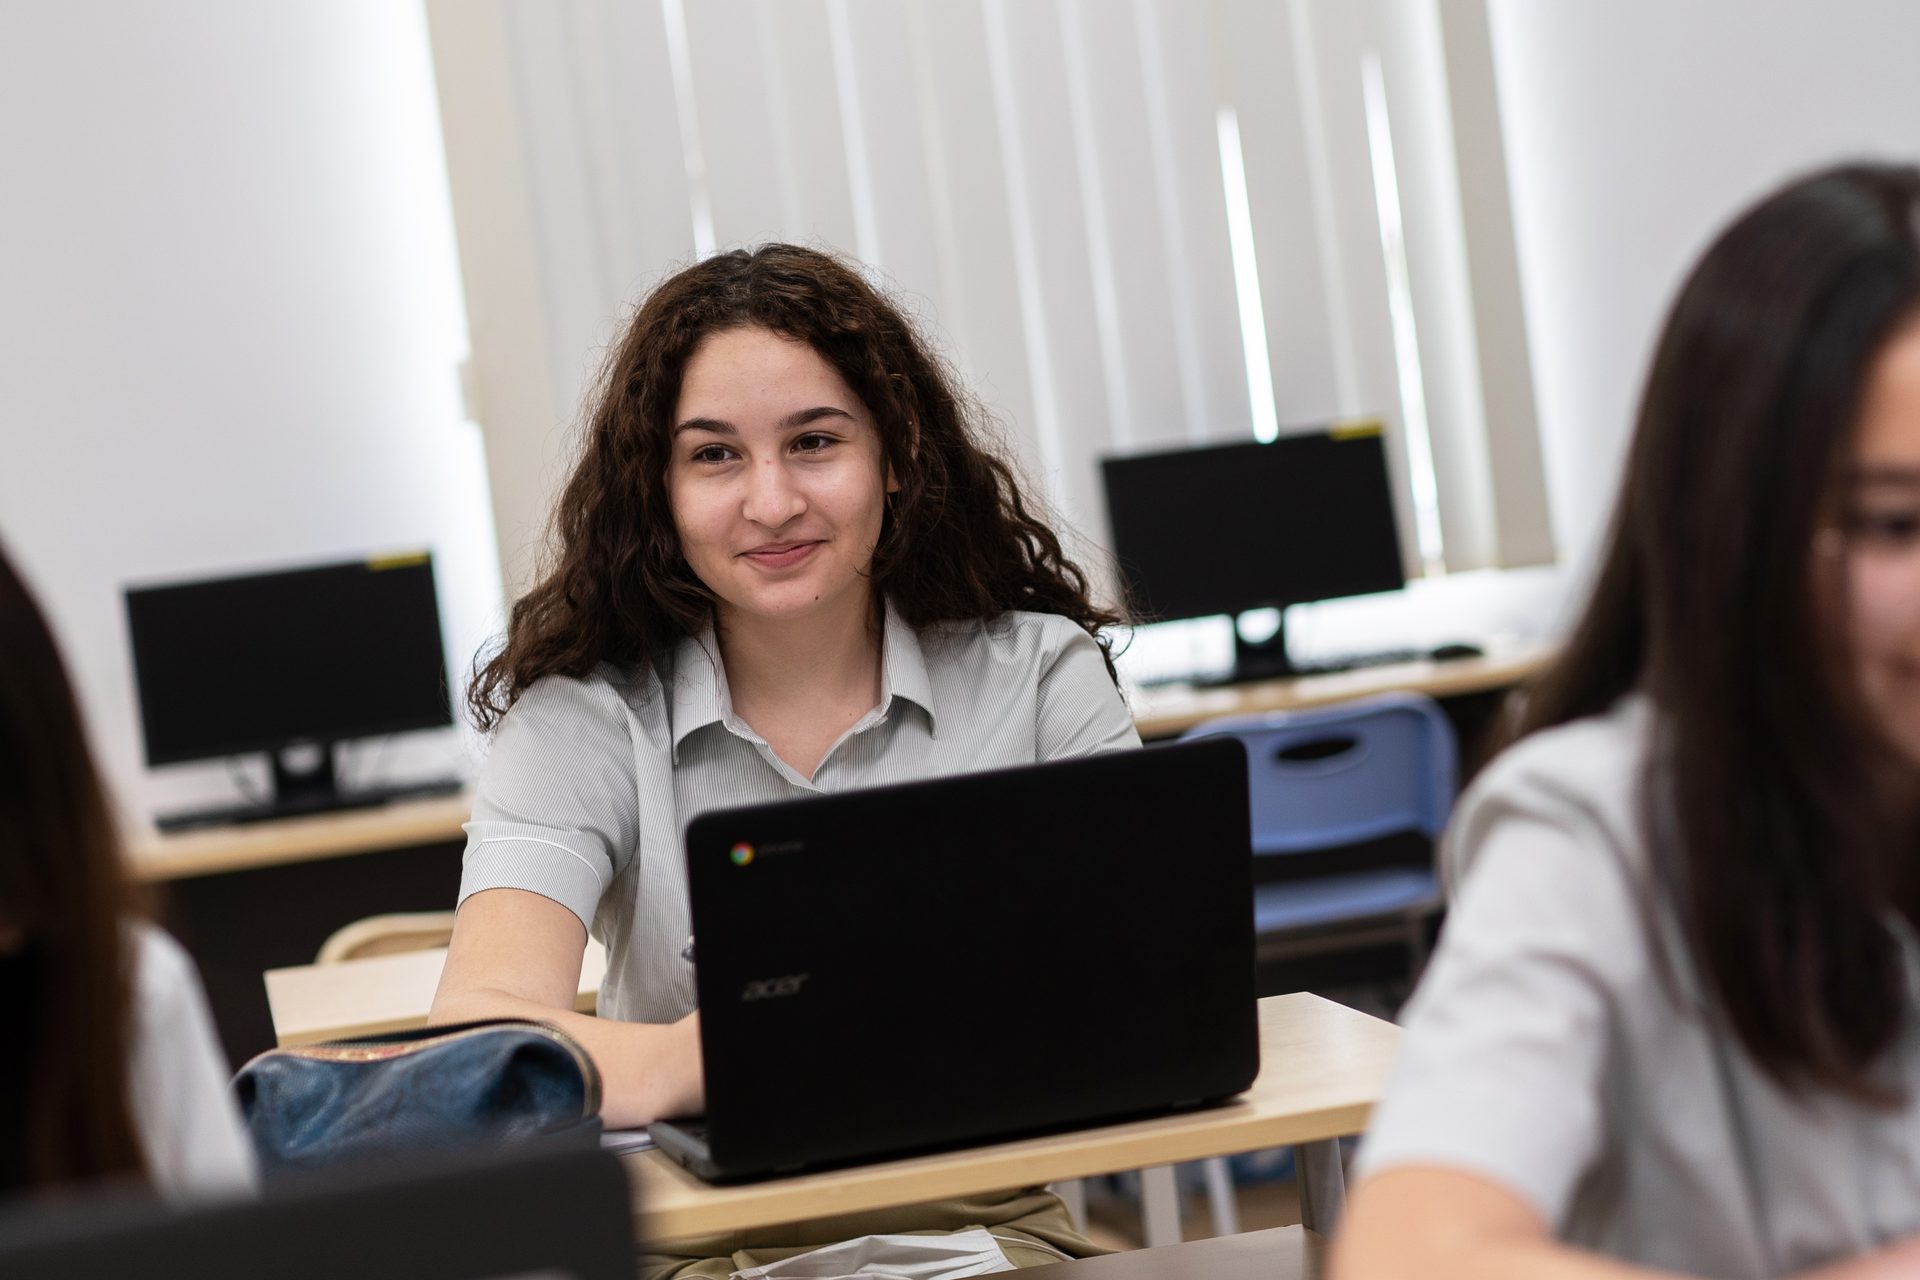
(547, 1211)
(973, 956)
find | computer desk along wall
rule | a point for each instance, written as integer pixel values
(262, 896)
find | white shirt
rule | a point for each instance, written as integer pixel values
(590, 784)
(1546, 1051)
(183, 1110)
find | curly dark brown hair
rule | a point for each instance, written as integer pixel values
(960, 540)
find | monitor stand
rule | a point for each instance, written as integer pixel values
(1255, 659)
(305, 781)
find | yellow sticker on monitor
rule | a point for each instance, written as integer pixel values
(1356, 429)
(402, 560)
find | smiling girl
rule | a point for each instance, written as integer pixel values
(784, 565)
(1673, 1026)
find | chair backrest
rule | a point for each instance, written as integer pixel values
(1347, 773)
(387, 935)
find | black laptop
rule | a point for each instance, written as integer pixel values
(975, 957)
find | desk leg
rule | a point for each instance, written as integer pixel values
(1073, 1194)
(1323, 1185)
(1159, 1206)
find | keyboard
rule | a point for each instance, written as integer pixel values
(359, 798)
(1357, 661)
(1327, 666)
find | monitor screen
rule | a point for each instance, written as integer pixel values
(316, 654)
(1227, 528)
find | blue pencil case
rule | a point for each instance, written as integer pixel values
(495, 1082)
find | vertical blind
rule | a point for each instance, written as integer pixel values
(1130, 224)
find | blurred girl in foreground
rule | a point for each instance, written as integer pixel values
(1671, 1027)
(109, 1071)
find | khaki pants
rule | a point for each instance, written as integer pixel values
(1032, 1226)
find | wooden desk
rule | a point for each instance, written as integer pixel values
(214, 850)
(316, 1002)
(1166, 710)
(259, 896)
(1323, 1066)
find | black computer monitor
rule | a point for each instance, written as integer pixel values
(299, 658)
(1224, 529)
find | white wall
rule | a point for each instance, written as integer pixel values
(1636, 128)
(232, 323)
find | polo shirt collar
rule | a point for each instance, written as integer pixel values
(903, 669)
(700, 697)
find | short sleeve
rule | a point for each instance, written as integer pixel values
(1507, 1040)
(1080, 710)
(190, 1127)
(556, 812)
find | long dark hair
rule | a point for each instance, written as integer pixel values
(960, 540)
(67, 987)
(1780, 852)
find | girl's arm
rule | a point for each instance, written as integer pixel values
(1439, 1224)
(1442, 1224)
(516, 954)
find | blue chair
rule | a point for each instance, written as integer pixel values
(1331, 789)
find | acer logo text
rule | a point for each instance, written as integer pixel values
(774, 988)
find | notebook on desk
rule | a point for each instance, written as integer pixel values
(969, 958)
